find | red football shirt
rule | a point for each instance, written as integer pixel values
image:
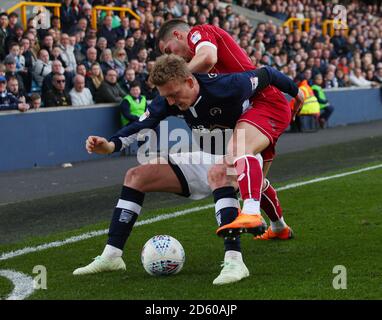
(231, 58)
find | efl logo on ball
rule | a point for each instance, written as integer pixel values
(162, 255)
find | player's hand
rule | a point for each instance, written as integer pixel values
(99, 145)
(298, 103)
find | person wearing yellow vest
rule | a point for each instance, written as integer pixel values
(311, 105)
(133, 105)
(326, 109)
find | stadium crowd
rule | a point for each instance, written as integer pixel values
(70, 63)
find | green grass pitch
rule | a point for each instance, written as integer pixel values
(336, 222)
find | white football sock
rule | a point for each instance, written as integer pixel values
(251, 206)
(233, 255)
(278, 225)
(111, 252)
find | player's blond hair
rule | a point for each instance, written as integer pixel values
(167, 68)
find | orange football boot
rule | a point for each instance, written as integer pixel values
(244, 223)
(284, 234)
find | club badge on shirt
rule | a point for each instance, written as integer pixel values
(254, 82)
(195, 37)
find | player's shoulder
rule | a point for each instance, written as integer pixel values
(158, 107)
(216, 83)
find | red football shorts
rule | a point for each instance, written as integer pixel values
(271, 114)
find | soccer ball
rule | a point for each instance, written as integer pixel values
(162, 255)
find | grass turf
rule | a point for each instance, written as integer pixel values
(336, 222)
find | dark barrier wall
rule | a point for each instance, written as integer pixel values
(354, 106)
(54, 136)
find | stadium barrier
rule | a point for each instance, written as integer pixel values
(40, 7)
(53, 136)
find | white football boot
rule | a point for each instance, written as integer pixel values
(101, 264)
(233, 270)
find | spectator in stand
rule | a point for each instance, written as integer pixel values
(35, 101)
(131, 48)
(357, 79)
(14, 37)
(13, 87)
(57, 68)
(14, 51)
(57, 96)
(3, 33)
(7, 100)
(80, 95)
(107, 63)
(13, 20)
(94, 78)
(101, 45)
(127, 79)
(67, 53)
(42, 67)
(123, 31)
(120, 58)
(81, 70)
(56, 55)
(47, 44)
(91, 57)
(109, 90)
(70, 14)
(10, 71)
(90, 42)
(108, 32)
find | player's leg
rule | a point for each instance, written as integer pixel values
(246, 158)
(270, 204)
(138, 181)
(226, 210)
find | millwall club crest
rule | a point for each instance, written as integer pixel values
(254, 82)
(215, 111)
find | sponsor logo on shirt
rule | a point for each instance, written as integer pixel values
(195, 37)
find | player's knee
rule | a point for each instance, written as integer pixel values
(135, 177)
(217, 176)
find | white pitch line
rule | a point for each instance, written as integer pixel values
(92, 234)
(23, 284)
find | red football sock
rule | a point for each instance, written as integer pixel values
(249, 176)
(270, 203)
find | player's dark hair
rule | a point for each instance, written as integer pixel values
(167, 27)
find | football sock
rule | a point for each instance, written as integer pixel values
(226, 210)
(233, 255)
(125, 214)
(250, 178)
(272, 208)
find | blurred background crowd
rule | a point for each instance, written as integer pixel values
(71, 63)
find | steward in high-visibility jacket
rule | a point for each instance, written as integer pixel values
(320, 95)
(133, 105)
(326, 109)
(311, 105)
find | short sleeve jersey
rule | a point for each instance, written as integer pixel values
(231, 58)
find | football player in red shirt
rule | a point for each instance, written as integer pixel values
(210, 49)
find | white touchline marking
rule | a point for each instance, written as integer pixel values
(23, 284)
(92, 234)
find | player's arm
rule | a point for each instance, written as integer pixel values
(252, 82)
(157, 111)
(204, 60)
